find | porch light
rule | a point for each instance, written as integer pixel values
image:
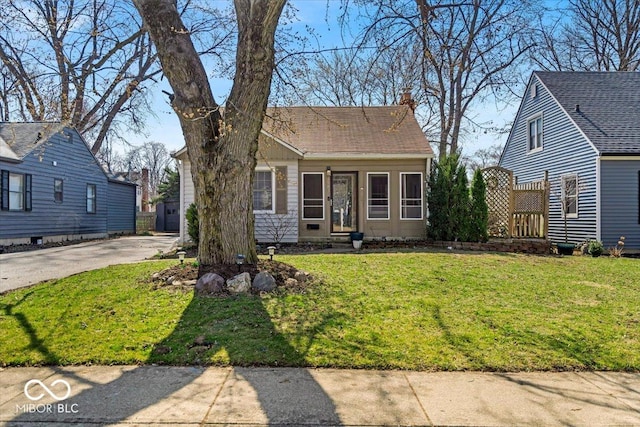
(239, 261)
(181, 255)
(272, 251)
(328, 170)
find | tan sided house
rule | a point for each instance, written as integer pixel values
(324, 172)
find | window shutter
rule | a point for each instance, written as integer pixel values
(27, 192)
(4, 194)
(281, 190)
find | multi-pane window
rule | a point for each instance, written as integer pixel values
(535, 133)
(263, 191)
(312, 196)
(378, 196)
(15, 191)
(411, 196)
(91, 198)
(570, 195)
(57, 190)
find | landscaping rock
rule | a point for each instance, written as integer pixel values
(170, 280)
(240, 283)
(264, 282)
(210, 284)
(189, 282)
(301, 276)
(290, 282)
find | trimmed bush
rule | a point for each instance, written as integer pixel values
(479, 211)
(448, 200)
(193, 226)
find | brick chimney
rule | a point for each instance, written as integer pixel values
(145, 190)
(407, 99)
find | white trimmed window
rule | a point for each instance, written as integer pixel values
(570, 195)
(313, 196)
(58, 190)
(91, 198)
(263, 185)
(535, 133)
(378, 195)
(411, 195)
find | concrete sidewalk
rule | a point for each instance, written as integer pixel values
(148, 395)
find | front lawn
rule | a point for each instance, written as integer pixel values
(423, 311)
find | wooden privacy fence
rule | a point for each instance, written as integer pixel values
(145, 221)
(516, 210)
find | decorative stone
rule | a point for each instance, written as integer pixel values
(290, 282)
(301, 276)
(210, 284)
(239, 284)
(170, 280)
(189, 282)
(264, 282)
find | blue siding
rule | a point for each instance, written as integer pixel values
(121, 208)
(565, 151)
(620, 196)
(77, 167)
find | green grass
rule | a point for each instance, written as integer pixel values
(424, 311)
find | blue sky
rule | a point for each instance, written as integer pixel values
(165, 128)
(321, 16)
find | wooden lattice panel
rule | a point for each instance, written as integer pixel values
(498, 182)
(528, 201)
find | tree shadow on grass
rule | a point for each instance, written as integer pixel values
(239, 330)
(232, 330)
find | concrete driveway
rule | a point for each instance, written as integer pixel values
(22, 269)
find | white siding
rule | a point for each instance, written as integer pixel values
(186, 196)
(267, 225)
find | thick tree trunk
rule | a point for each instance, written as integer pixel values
(222, 153)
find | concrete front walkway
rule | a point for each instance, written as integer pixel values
(21, 269)
(130, 395)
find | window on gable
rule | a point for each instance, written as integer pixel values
(312, 196)
(378, 196)
(15, 191)
(535, 133)
(570, 195)
(263, 191)
(57, 190)
(411, 196)
(91, 198)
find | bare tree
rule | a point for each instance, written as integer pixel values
(469, 50)
(348, 77)
(152, 156)
(87, 63)
(484, 158)
(590, 35)
(222, 151)
(80, 62)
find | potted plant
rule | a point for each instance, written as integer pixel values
(356, 239)
(595, 248)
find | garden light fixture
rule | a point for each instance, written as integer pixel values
(181, 255)
(272, 251)
(240, 260)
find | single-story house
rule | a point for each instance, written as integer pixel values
(53, 188)
(583, 129)
(324, 172)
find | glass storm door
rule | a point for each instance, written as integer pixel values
(344, 218)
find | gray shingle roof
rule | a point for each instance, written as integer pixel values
(609, 106)
(23, 138)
